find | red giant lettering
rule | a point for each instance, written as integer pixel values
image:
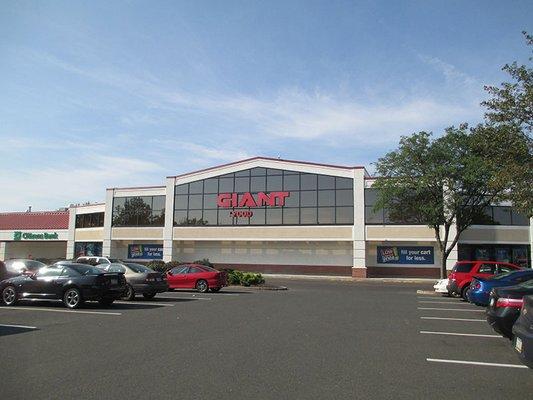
(231, 200)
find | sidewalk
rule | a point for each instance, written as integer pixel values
(350, 279)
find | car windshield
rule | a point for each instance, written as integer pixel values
(462, 267)
(23, 265)
(85, 269)
(139, 268)
(208, 268)
(114, 260)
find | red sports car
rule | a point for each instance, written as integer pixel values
(196, 276)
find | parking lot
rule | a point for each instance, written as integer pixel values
(319, 339)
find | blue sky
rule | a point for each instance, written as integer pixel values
(102, 94)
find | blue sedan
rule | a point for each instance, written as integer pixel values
(480, 287)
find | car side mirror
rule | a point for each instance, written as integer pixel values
(169, 273)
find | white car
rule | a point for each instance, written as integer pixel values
(441, 286)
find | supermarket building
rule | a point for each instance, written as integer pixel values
(261, 214)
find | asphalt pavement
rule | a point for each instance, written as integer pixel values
(317, 340)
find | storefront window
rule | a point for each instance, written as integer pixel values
(139, 211)
(312, 199)
(87, 249)
(383, 217)
(92, 220)
(515, 254)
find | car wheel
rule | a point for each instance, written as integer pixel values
(215, 289)
(72, 298)
(9, 295)
(129, 294)
(202, 286)
(464, 292)
(149, 296)
(106, 302)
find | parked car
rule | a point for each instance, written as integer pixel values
(73, 283)
(480, 287)
(441, 286)
(196, 276)
(463, 272)
(523, 332)
(139, 279)
(16, 267)
(94, 260)
(504, 307)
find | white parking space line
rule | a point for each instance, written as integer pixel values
(445, 302)
(188, 298)
(455, 319)
(449, 299)
(59, 310)
(475, 363)
(461, 334)
(18, 326)
(449, 309)
(205, 294)
(147, 303)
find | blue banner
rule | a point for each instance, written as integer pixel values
(145, 251)
(405, 255)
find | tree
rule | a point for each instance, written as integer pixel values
(508, 128)
(439, 182)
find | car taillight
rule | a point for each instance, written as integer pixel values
(514, 303)
(476, 285)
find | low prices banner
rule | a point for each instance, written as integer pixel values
(145, 251)
(405, 255)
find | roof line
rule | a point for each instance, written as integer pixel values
(34, 212)
(137, 187)
(268, 159)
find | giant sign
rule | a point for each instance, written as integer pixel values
(405, 255)
(145, 251)
(261, 199)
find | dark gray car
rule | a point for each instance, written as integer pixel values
(139, 279)
(18, 266)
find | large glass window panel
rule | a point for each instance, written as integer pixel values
(326, 197)
(258, 171)
(182, 189)
(326, 215)
(344, 198)
(308, 182)
(343, 183)
(273, 216)
(291, 216)
(246, 172)
(274, 183)
(224, 217)
(210, 201)
(344, 215)
(158, 203)
(272, 171)
(326, 182)
(370, 197)
(195, 217)
(225, 185)
(180, 217)
(291, 182)
(308, 199)
(259, 216)
(158, 218)
(211, 185)
(258, 184)
(210, 217)
(372, 217)
(119, 201)
(242, 185)
(502, 215)
(308, 216)
(195, 201)
(293, 200)
(180, 202)
(519, 219)
(196, 187)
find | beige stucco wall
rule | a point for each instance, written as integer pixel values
(136, 233)
(397, 232)
(263, 233)
(89, 235)
(272, 253)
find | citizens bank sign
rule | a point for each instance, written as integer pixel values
(241, 200)
(17, 235)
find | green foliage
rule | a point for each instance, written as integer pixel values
(244, 278)
(205, 262)
(172, 264)
(157, 265)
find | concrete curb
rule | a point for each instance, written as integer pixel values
(252, 288)
(349, 278)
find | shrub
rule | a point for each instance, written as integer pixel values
(244, 278)
(157, 265)
(205, 262)
(172, 264)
